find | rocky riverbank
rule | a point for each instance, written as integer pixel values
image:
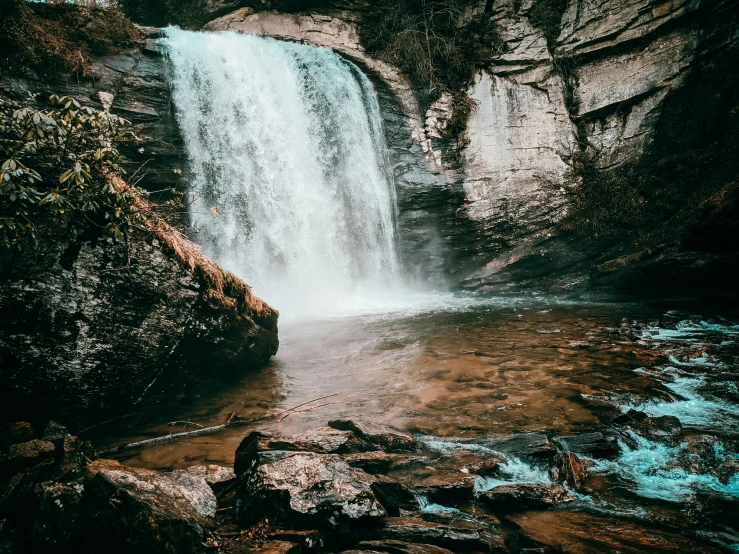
(352, 486)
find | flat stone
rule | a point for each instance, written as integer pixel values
(527, 444)
(325, 440)
(580, 532)
(593, 444)
(305, 487)
(398, 547)
(448, 489)
(455, 535)
(382, 462)
(388, 438)
(522, 496)
(29, 454)
(275, 547)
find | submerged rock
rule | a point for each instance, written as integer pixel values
(128, 509)
(305, 487)
(522, 496)
(388, 438)
(569, 468)
(666, 429)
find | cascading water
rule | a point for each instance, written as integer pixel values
(287, 159)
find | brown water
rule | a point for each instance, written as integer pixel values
(476, 372)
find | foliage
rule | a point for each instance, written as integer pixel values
(438, 43)
(57, 168)
(546, 15)
(51, 39)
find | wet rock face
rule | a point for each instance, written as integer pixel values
(84, 335)
(304, 486)
(388, 438)
(569, 469)
(136, 508)
(666, 429)
(522, 496)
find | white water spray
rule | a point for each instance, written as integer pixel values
(287, 160)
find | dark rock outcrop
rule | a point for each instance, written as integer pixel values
(305, 487)
(388, 438)
(568, 468)
(665, 429)
(523, 496)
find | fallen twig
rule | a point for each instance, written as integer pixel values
(233, 421)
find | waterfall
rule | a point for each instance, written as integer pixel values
(287, 162)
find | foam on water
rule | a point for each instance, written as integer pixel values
(651, 469)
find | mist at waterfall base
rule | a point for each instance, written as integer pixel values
(288, 166)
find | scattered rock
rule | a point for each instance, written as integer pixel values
(324, 440)
(398, 547)
(14, 433)
(55, 433)
(305, 487)
(274, 547)
(579, 532)
(393, 496)
(310, 540)
(522, 496)
(569, 468)
(390, 439)
(28, 454)
(455, 534)
(595, 444)
(528, 444)
(128, 509)
(382, 462)
(666, 429)
(219, 478)
(447, 489)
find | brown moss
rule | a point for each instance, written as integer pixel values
(222, 289)
(53, 39)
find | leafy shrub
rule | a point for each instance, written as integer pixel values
(58, 169)
(51, 39)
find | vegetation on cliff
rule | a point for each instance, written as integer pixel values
(53, 39)
(438, 43)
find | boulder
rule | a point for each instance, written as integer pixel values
(325, 440)
(523, 496)
(127, 509)
(569, 468)
(388, 438)
(393, 496)
(448, 489)
(28, 454)
(527, 444)
(666, 429)
(594, 444)
(310, 540)
(14, 433)
(219, 478)
(55, 433)
(304, 487)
